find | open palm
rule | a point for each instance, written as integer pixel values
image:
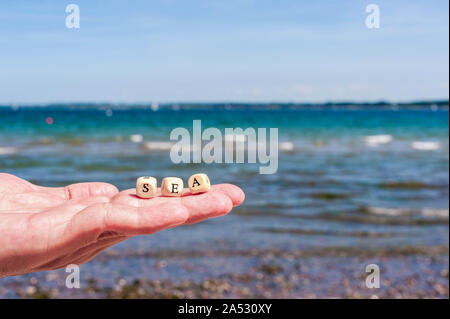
(45, 228)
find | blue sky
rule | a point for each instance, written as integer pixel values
(209, 50)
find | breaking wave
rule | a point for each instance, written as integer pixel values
(8, 150)
(375, 140)
(157, 146)
(425, 146)
(425, 212)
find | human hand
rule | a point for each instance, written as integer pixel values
(45, 228)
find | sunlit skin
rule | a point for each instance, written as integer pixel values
(45, 228)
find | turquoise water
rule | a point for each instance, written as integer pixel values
(359, 179)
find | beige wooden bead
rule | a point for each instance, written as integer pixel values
(172, 186)
(146, 187)
(199, 183)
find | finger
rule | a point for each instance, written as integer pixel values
(214, 203)
(83, 190)
(128, 197)
(145, 220)
(217, 202)
(129, 220)
(236, 194)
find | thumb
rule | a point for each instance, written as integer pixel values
(82, 190)
(87, 190)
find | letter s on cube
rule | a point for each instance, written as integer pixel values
(199, 183)
(146, 187)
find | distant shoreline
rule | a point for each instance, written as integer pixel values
(382, 105)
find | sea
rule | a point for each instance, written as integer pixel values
(355, 186)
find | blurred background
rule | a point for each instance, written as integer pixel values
(363, 124)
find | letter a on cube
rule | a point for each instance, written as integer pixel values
(199, 183)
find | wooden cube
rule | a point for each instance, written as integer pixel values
(146, 187)
(172, 186)
(199, 183)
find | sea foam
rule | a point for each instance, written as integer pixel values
(136, 138)
(286, 146)
(158, 146)
(425, 146)
(426, 212)
(8, 150)
(375, 140)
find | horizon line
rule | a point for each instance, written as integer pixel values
(274, 102)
